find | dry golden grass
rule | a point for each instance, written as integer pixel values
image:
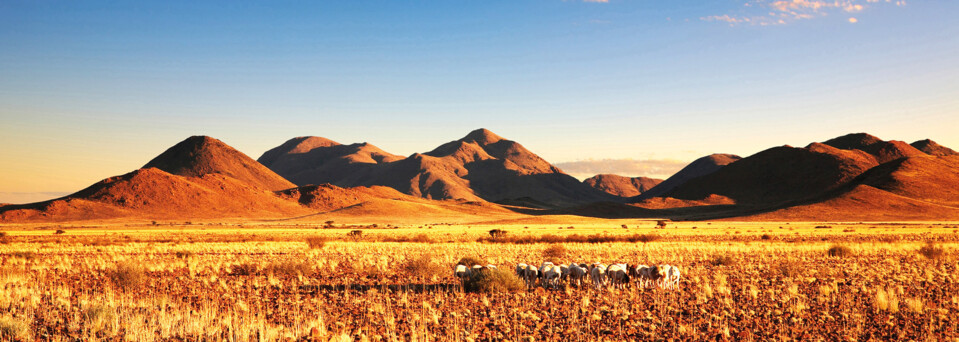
(741, 281)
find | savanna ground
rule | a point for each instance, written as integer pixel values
(235, 281)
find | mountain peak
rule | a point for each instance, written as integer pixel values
(200, 155)
(853, 141)
(932, 148)
(482, 137)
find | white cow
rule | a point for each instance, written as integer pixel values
(597, 274)
(618, 275)
(564, 272)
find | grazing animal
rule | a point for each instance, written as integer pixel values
(521, 270)
(665, 276)
(462, 272)
(531, 275)
(550, 274)
(642, 273)
(671, 275)
(597, 274)
(577, 274)
(564, 272)
(618, 275)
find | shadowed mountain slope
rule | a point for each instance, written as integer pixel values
(622, 186)
(315, 160)
(932, 148)
(698, 168)
(481, 166)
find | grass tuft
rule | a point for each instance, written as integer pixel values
(128, 275)
(493, 280)
(932, 251)
(839, 251)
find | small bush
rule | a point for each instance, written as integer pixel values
(555, 252)
(28, 256)
(931, 251)
(128, 275)
(839, 251)
(766, 237)
(317, 242)
(355, 234)
(470, 261)
(644, 238)
(494, 280)
(723, 260)
(790, 269)
(424, 267)
(183, 254)
(290, 268)
(12, 329)
(4, 238)
(60, 231)
(243, 269)
(497, 233)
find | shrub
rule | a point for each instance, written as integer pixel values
(183, 254)
(497, 233)
(723, 260)
(790, 269)
(243, 269)
(931, 251)
(28, 256)
(12, 329)
(290, 268)
(128, 275)
(555, 252)
(424, 267)
(839, 251)
(661, 223)
(317, 242)
(60, 231)
(470, 261)
(4, 238)
(355, 234)
(644, 238)
(766, 237)
(493, 280)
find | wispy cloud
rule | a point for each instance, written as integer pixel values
(603, 1)
(781, 12)
(655, 168)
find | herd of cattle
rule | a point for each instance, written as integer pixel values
(600, 275)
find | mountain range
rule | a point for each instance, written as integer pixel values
(482, 176)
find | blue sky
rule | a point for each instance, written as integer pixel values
(93, 89)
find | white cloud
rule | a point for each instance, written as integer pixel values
(655, 168)
(780, 12)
